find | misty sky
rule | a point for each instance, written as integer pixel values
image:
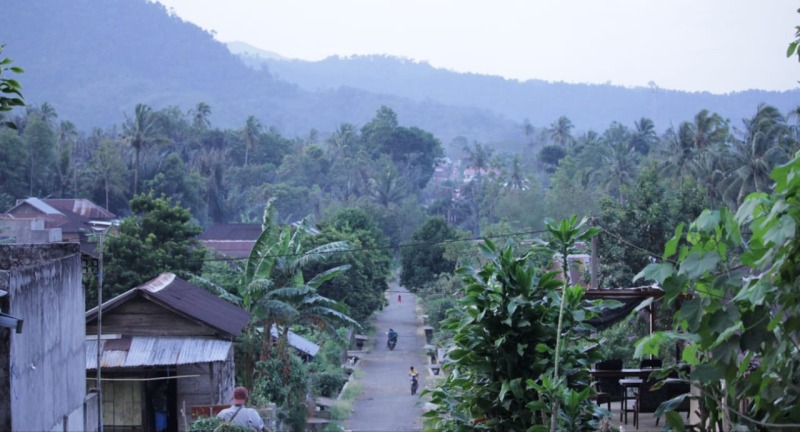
(694, 45)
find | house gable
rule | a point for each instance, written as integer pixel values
(142, 317)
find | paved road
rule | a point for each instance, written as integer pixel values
(386, 403)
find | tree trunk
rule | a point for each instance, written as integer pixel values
(135, 171)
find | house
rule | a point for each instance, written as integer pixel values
(231, 240)
(34, 220)
(72, 216)
(165, 331)
(42, 356)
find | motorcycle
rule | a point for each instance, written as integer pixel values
(414, 384)
(391, 343)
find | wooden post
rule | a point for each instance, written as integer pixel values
(595, 244)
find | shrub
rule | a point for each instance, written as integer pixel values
(206, 424)
(329, 382)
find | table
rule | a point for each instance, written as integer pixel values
(629, 383)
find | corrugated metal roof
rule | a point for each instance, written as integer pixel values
(298, 342)
(155, 351)
(249, 232)
(40, 205)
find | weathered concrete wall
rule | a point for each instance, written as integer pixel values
(45, 375)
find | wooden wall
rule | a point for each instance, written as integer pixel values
(212, 386)
(142, 317)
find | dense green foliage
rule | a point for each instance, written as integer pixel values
(158, 237)
(362, 286)
(423, 260)
(637, 229)
(734, 280)
(519, 356)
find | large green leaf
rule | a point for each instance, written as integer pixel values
(699, 263)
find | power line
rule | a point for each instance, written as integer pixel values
(377, 248)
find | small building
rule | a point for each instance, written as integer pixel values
(165, 335)
(71, 216)
(231, 240)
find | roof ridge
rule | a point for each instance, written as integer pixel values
(162, 281)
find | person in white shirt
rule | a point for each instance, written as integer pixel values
(241, 415)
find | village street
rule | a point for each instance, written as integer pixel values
(386, 403)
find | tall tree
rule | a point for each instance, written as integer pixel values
(757, 152)
(200, 115)
(140, 132)
(561, 131)
(40, 140)
(644, 135)
(106, 170)
(250, 135)
(620, 161)
(158, 237)
(423, 260)
(13, 180)
(361, 287)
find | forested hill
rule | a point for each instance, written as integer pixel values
(587, 106)
(94, 61)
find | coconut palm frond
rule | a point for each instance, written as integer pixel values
(327, 275)
(291, 292)
(329, 314)
(322, 252)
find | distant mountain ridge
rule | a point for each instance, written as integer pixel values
(588, 106)
(94, 64)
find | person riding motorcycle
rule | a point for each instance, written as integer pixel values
(392, 338)
(413, 374)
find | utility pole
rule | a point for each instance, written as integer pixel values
(101, 228)
(595, 245)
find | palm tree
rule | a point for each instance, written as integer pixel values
(561, 131)
(677, 154)
(478, 157)
(620, 162)
(140, 132)
(516, 177)
(67, 146)
(707, 130)
(251, 132)
(200, 115)
(644, 136)
(106, 169)
(757, 153)
(529, 131)
(342, 141)
(387, 187)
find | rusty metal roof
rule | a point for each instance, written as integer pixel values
(136, 351)
(186, 300)
(229, 232)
